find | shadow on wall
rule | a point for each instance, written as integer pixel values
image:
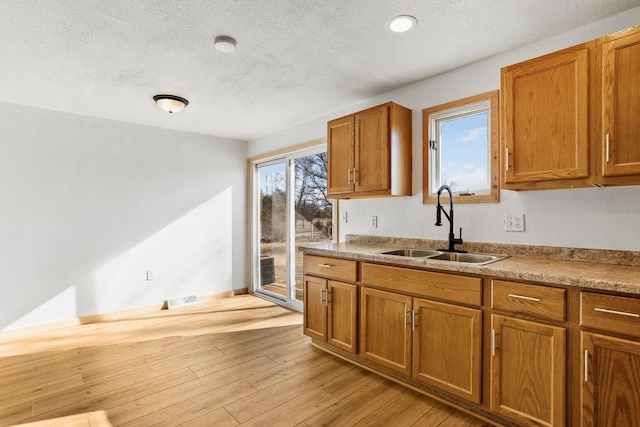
(191, 255)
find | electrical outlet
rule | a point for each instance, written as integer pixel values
(514, 222)
(149, 275)
(374, 221)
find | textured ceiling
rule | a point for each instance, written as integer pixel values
(296, 60)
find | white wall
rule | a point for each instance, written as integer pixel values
(607, 218)
(87, 206)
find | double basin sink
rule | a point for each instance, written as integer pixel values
(466, 258)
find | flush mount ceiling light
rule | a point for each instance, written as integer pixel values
(401, 23)
(225, 44)
(170, 103)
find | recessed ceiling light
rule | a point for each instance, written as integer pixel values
(225, 44)
(401, 23)
(170, 103)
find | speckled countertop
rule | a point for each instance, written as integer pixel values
(615, 270)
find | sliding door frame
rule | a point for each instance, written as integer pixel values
(253, 220)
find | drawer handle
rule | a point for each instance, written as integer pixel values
(524, 297)
(325, 265)
(620, 313)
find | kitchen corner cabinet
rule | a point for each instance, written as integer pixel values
(369, 153)
(330, 306)
(610, 364)
(545, 120)
(621, 108)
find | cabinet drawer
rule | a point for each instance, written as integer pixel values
(332, 268)
(534, 300)
(610, 313)
(448, 287)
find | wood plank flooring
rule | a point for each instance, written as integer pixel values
(223, 362)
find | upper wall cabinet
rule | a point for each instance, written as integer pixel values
(621, 108)
(570, 118)
(545, 121)
(370, 153)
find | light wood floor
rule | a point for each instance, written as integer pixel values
(230, 361)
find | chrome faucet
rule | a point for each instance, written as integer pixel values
(439, 209)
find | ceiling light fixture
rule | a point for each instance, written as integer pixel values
(170, 103)
(401, 23)
(225, 44)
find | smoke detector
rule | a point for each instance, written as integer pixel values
(225, 44)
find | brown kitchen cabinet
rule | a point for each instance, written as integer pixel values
(369, 153)
(514, 353)
(315, 311)
(438, 343)
(610, 364)
(621, 108)
(611, 390)
(569, 118)
(447, 347)
(545, 121)
(528, 371)
(330, 312)
(385, 332)
(528, 357)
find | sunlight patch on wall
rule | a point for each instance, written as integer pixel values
(64, 302)
(192, 255)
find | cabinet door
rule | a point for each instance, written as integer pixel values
(315, 308)
(545, 105)
(528, 371)
(342, 316)
(372, 160)
(447, 347)
(340, 148)
(385, 337)
(621, 106)
(611, 387)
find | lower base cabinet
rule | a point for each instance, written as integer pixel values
(425, 329)
(447, 347)
(436, 343)
(342, 318)
(330, 312)
(385, 334)
(528, 371)
(611, 383)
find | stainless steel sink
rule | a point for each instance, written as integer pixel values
(414, 253)
(468, 258)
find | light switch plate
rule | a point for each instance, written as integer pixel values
(514, 222)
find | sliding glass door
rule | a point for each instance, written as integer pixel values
(290, 209)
